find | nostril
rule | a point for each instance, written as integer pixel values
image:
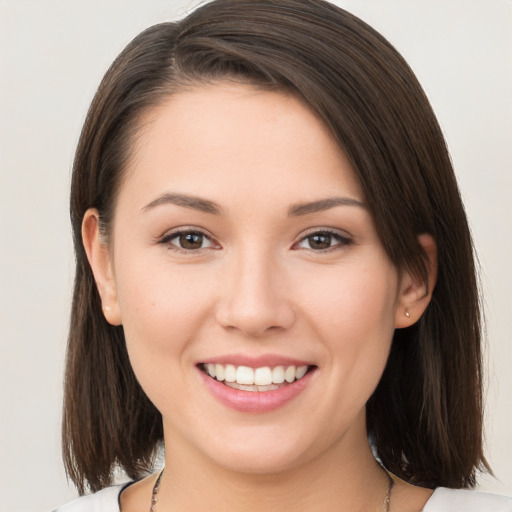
(254, 309)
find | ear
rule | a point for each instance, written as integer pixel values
(415, 293)
(99, 258)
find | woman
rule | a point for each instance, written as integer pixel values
(273, 267)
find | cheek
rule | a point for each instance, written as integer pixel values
(152, 291)
(357, 300)
(161, 309)
(354, 316)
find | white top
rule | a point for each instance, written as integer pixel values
(443, 500)
(462, 500)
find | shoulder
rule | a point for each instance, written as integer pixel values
(463, 500)
(106, 500)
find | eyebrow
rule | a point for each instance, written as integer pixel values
(193, 202)
(322, 205)
(296, 210)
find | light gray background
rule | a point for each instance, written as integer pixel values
(52, 57)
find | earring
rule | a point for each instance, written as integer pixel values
(407, 314)
(106, 309)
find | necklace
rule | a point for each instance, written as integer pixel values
(154, 494)
(386, 506)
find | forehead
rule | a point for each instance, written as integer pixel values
(225, 138)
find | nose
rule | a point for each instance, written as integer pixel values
(254, 297)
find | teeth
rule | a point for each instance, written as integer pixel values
(300, 372)
(219, 372)
(289, 374)
(244, 387)
(278, 375)
(245, 375)
(230, 373)
(255, 379)
(263, 376)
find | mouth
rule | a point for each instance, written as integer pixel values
(261, 379)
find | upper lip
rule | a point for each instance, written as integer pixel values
(263, 360)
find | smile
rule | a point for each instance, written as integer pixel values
(260, 379)
(256, 388)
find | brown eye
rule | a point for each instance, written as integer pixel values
(191, 240)
(319, 241)
(323, 240)
(188, 241)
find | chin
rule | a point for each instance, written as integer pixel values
(258, 462)
(262, 450)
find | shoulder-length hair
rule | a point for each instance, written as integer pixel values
(425, 417)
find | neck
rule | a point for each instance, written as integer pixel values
(343, 478)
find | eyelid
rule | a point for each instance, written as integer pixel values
(175, 232)
(343, 237)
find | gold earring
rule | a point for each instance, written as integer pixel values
(407, 314)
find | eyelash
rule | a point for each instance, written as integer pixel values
(167, 240)
(342, 241)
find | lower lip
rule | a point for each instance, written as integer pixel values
(255, 401)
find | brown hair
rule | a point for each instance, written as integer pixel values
(425, 417)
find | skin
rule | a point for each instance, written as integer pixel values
(256, 285)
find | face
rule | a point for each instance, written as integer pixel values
(257, 301)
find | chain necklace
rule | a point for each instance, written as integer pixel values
(386, 506)
(154, 494)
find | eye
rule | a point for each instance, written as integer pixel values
(188, 240)
(322, 241)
